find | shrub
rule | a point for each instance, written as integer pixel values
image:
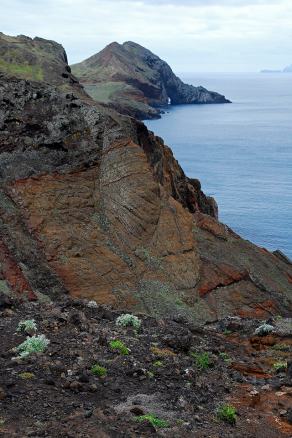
(156, 422)
(202, 360)
(227, 332)
(264, 329)
(26, 375)
(98, 370)
(227, 413)
(224, 356)
(158, 364)
(27, 326)
(92, 304)
(280, 366)
(119, 346)
(280, 347)
(128, 320)
(33, 344)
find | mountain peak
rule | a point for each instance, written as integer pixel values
(137, 82)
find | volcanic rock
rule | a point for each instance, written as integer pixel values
(134, 81)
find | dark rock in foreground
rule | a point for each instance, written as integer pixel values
(175, 371)
(134, 81)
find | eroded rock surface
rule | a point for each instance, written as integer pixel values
(93, 204)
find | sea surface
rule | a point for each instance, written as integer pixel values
(241, 152)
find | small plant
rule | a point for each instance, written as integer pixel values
(225, 357)
(26, 375)
(280, 347)
(264, 330)
(162, 352)
(155, 421)
(150, 374)
(227, 332)
(27, 326)
(202, 360)
(98, 370)
(2, 421)
(117, 345)
(127, 320)
(92, 304)
(158, 364)
(227, 413)
(34, 344)
(280, 366)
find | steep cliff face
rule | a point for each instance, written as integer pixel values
(134, 81)
(37, 59)
(93, 204)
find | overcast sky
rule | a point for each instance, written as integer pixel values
(192, 35)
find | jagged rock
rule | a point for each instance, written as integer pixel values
(39, 60)
(134, 81)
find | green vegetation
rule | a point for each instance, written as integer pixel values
(150, 260)
(104, 91)
(227, 413)
(224, 356)
(34, 344)
(160, 299)
(26, 375)
(127, 320)
(2, 421)
(27, 326)
(202, 360)
(227, 332)
(281, 347)
(158, 364)
(280, 365)
(25, 71)
(98, 370)
(155, 421)
(117, 345)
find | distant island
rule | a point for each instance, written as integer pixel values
(132, 80)
(287, 69)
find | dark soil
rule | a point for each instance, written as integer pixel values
(61, 397)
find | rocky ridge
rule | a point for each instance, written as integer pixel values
(134, 81)
(39, 60)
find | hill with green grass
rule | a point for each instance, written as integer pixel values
(37, 59)
(134, 81)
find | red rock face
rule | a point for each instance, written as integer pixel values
(13, 276)
(109, 215)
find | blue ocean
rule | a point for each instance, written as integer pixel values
(241, 152)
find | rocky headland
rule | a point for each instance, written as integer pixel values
(94, 207)
(134, 81)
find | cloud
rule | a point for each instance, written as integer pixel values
(196, 35)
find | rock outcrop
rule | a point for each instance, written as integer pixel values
(39, 60)
(134, 81)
